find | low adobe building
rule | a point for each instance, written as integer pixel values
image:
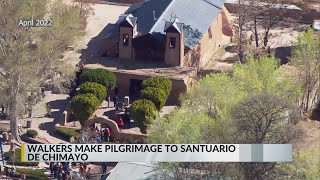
(171, 38)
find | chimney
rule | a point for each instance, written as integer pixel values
(154, 15)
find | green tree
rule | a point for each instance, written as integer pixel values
(232, 105)
(305, 165)
(83, 106)
(158, 82)
(143, 112)
(96, 89)
(101, 76)
(30, 55)
(264, 119)
(156, 95)
(306, 56)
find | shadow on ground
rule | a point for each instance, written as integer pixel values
(95, 46)
(315, 115)
(57, 107)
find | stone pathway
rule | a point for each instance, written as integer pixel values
(45, 125)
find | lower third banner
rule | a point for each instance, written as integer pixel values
(156, 153)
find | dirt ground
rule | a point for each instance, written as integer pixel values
(103, 14)
(311, 137)
(281, 36)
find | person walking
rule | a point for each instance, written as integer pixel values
(88, 173)
(120, 124)
(2, 109)
(108, 133)
(81, 170)
(55, 170)
(51, 168)
(115, 100)
(109, 99)
(104, 168)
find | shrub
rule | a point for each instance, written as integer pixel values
(96, 89)
(83, 106)
(67, 133)
(16, 159)
(101, 76)
(143, 112)
(158, 82)
(156, 95)
(31, 133)
(35, 174)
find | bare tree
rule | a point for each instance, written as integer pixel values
(242, 13)
(86, 6)
(257, 17)
(28, 55)
(264, 119)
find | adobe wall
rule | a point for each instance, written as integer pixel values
(210, 41)
(178, 86)
(115, 132)
(112, 46)
(304, 16)
(173, 56)
(125, 51)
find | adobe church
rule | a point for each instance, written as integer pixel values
(180, 34)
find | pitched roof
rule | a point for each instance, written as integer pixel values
(130, 19)
(148, 13)
(196, 15)
(175, 24)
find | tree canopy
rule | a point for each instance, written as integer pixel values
(83, 106)
(101, 76)
(143, 112)
(156, 95)
(158, 82)
(224, 108)
(96, 89)
(30, 55)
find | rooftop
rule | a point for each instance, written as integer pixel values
(134, 170)
(196, 15)
(143, 68)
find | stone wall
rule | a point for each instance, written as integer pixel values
(115, 132)
(304, 16)
(123, 82)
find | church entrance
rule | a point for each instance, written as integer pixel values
(135, 88)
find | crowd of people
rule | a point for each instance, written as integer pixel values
(96, 135)
(60, 170)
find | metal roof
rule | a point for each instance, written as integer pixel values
(148, 14)
(196, 15)
(134, 171)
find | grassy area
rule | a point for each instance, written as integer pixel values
(35, 174)
(68, 132)
(16, 160)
